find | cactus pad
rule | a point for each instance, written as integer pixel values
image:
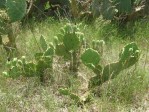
(90, 56)
(43, 43)
(2, 3)
(60, 50)
(16, 9)
(124, 6)
(107, 10)
(29, 69)
(49, 52)
(129, 55)
(71, 41)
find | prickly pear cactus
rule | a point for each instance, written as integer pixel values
(16, 9)
(49, 52)
(68, 45)
(98, 45)
(43, 43)
(2, 4)
(127, 58)
(129, 55)
(107, 9)
(43, 61)
(14, 67)
(68, 40)
(95, 7)
(90, 56)
(123, 6)
(111, 70)
(18, 67)
(60, 50)
(29, 69)
(71, 41)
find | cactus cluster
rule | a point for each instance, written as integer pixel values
(127, 58)
(19, 67)
(43, 61)
(68, 44)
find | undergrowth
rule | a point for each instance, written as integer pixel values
(121, 94)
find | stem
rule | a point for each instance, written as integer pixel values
(75, 61)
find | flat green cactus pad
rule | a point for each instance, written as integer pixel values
(71, 41)
(38, 56)
(2, 3)
(16, 9)
(124, 6)
(49, 52)
(29, 69)
(60, 50)
(129, 55)
(14, 72)
(107, 10)
(43, 43)
(110, 71)
(90, 56)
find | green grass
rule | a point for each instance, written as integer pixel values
(121, 94)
